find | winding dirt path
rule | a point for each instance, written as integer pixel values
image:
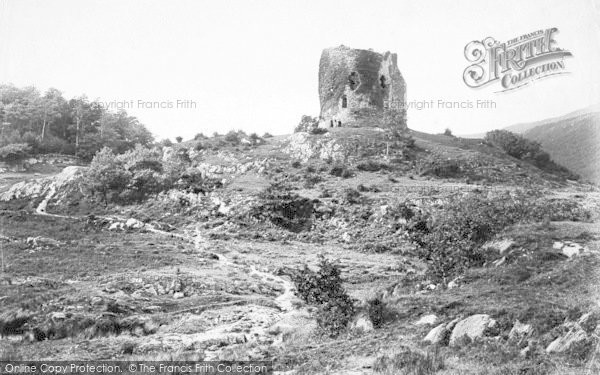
(284, 302)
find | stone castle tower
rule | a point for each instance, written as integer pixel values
(355, 84)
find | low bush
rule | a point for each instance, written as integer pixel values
(324, 289)
(307, 124)
(449, 237)
(371, 166)
(372, 188)
(317, 131)
(351, 196)
(340, 171)
(234, 137)
(443, 169)
(284, 209)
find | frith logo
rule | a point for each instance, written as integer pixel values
(515, 63)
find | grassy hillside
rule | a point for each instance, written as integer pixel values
(573, 142)
(335, 253)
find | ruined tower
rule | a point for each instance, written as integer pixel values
(356, 85)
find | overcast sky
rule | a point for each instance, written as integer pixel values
(253, 64)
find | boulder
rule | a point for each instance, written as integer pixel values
(571, 249)
(473, 327)
(178, 295)
(575, 336)
(116, 226)
(133, 224)
(429, 319)
(439, 334)
(362, 323)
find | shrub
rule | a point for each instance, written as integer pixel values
(166, 143)
(445, 169)
(178, 139)
(340, 171)
(106, 174)
(376, 310)
(267, 135)
(371, 166)
(199, 136)
(513, 144)
(311, 179)
(296, 164)
(324, 288)
(448, 132)
(255, 139)
(449, 238)
(318, 131)
(284, 209)
(306, 124)
(351, 196)
(52, 144)
(234, 137)
(14, 152)
(373, 189)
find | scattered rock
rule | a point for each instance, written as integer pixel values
(499, 262)
(346, 237)
(574, 337)
(42, 242)
(502, 246)
(429, 319)
(56, 316)
(454, 283)
(589, 321)
(362, 323)
(472, 327)
(116, 226)
(571, 249)
(525, 352)
(178, 295)
(519, 331)
(133, 224)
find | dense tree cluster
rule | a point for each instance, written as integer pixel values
(34, 122)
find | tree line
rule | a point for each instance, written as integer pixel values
(37, 123)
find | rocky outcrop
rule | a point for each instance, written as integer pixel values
(573, 338)
(440, 334)
(473, 327)
(58, 187)
(303, 146)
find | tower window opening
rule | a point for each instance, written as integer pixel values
(344, 102)
(382, 82)
(353, 80)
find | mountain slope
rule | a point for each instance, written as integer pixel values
(572, 142)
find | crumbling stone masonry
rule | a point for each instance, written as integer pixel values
(355, 84)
